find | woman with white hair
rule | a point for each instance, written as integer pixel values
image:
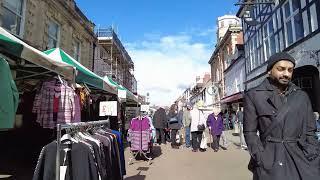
(198, 125)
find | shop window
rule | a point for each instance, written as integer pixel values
(53, 35)
(12, 16)
(76, 50)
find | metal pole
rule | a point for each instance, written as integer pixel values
(58, 152)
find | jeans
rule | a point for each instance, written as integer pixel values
(196, 139)
(242, 140)
(216, 140)
(173, 136)
(161, 135)
(187, 136)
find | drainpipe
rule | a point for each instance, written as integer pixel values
(94, 50)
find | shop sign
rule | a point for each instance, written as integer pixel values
(108, 108)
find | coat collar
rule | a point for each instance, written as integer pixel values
(270, 91)
(267, 86)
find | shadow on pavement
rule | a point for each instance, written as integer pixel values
(136, 177)
(156, 152)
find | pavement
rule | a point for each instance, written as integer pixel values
(183, 164)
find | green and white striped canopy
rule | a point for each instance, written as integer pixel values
(84, 75)
(14, 46)
(130, 95)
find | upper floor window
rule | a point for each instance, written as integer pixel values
(76, 50)
(269, 39)
(293, 21)
(12, 16)
(53, 35)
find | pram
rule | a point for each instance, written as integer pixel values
(140, 138)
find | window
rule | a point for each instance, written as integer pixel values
(222, 24)
(266, 41)
(53, 35)
(12, 16)
(305, 23)
(313, 15)
(293, 21)
(76, 50)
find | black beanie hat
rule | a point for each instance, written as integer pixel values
(278, 57)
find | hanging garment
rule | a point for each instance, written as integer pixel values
(100, 157)
(140, 134)
(121, 149)
(45, 104)
(80, 163)
(9, 96)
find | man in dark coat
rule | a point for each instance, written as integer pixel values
(286, 147)
(160, 123)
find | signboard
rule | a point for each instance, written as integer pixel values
(144, 108)
(122, 94)
(108, 108)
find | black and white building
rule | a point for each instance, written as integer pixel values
(284, 25)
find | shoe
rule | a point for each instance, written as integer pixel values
(216, 150)
(193, 150)
(202, 150)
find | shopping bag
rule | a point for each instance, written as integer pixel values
(224, 140)
(203, 144)
(178, 139)
(236, 128)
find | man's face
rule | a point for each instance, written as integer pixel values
(281, 72)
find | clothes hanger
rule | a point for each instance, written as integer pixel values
(67, 136)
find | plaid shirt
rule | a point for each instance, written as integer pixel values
(43, 105)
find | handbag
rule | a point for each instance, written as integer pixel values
(201, 127)
(173, 120)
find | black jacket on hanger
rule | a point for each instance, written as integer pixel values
(80, 163)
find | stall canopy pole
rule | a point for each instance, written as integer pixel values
(61, 127)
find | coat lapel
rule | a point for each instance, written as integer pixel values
(268, 93)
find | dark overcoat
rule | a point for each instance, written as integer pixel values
(160, 119)
(290, 149)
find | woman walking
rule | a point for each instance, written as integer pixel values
(174, 124)
(198, 125)
(215, 124)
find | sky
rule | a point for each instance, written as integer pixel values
(169, 41)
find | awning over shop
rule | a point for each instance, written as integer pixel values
(9, 44)
(84, 75)
(232, 98)
(130, 95)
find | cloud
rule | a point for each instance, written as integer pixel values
(166, 65)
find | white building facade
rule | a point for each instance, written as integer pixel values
(288, 25)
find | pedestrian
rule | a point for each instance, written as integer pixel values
(187, 123)
(174, 124)
(160, 123)
(226, 120)
(317, 119)
(233, 121)
(198, 125)
(286, 147)
(215, 124)
(243, 144)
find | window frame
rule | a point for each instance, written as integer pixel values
(291, 19)
(57, 39)
(21, 16)
(77, 45)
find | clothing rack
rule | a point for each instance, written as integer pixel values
(61, 127)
